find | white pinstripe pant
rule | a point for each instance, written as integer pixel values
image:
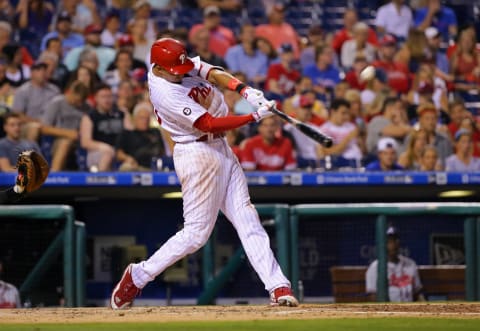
(212, 180)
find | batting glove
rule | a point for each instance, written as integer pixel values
(254, 97)
(263, 111)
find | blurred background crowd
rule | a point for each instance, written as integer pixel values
(73, 81)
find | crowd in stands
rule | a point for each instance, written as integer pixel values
(73, 82)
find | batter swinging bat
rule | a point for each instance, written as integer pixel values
(306, 129)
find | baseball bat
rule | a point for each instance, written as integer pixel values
(306, 129)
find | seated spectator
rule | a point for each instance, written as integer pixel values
(31, 98)
(426, 89)
(63, 31)
(266, 47)
(245, 57)
(429, 159)
(465, 62)
(394, 18)
(267, 151)
(143, 11)
(387, 156)
(89, 78)
(323, 73)
(304, 86)
(9, 295)
(439, 58)
(402, 272)
(135, 149)
(221, 37)
(57, 72)
(411, 158)
(463, 159)
(434, 14)
(83, 13)
(343, 132)
(358, 45)
(111, 32)
(6, 37)
(12, 143)
(281, 77)
(352, 76)
(200, 42)
(17, 72)
(122, 71)
(62, 120)
(315, 38)
(457, 112)
(277, 31)
(415, 51)
(141, 44)
(7, 94)
(99, 130)
(350, 18)
(470, 124)
(392, 122)
(375, 87)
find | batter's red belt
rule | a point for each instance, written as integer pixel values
(205, 137)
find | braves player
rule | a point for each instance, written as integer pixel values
(188, 104)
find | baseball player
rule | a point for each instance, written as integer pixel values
(188, 104)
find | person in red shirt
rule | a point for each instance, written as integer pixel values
(350, 18)
(352, 77)
(397, 72)
(281, 77)
(266, 151)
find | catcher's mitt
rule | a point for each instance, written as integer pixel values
(32, 171)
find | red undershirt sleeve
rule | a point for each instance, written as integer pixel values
(208, 123)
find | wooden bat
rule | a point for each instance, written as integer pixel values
(306, 129)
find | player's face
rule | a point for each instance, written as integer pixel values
(393, 246)
(12, 128)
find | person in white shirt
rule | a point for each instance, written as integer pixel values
(394, 18)
(463, 159)
(404, 283)
(357, 46)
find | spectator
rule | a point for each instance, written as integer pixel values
(125, 102)
(200, 42)
(304, 87)
(62, 121)
(439, 58)
(434, 14)
(7, 94)
(7, 12)
(64, 32)
(125, 43)
(414, 51)
(394, 18)
(352, 77)
(315, 38)
(122, 71)
(9, 295)
(350, 18)
(143, 11)
(141, 44)
(83, 13)
(323, 73)
(111, 33)
(105, 55)
(397, 72)
(470, 124)
(357, 45)
(428, 118)
(99, 131)
(221, 37)
(16, 73)
(463, 159)
(465, 62)
(376, 87)
(429, 159)
(57, 73)
(5, 39)
(138, 147)
(343, 132)
(266, 47)
(12, 143)
(54, 45)
(281, 77)
(31, 98)
(392, 122)
(402, 272)
(425, 90)
(277, 31)
(267, 151)
(89, 78)
(411, 158)
(457, 112)
(387, 156)
(245, 57)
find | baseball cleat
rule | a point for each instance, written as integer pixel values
(283, 296)
(125, 291)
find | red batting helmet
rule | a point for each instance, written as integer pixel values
(171, 55)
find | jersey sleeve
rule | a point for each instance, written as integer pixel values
(202, 69)
(371, 278)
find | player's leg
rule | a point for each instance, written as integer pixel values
(244, 217)
(199, 170)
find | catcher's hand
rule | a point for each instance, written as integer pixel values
(32, 172)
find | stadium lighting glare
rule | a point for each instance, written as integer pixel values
(172, 195)
(456, 194)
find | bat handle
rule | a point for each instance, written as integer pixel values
(327, 142)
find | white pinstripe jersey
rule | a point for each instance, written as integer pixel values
(179, 105)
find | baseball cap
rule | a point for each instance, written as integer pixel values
(140, 3)
(211, 10)
(39, 65)
(425, 88)
(386, 142)
(388, 40)
(431, 32)
(392, 232)
(125, 40)
(305, 101)
(64, 17)
(462, 132)
(381, 75)
(426, 108)
(285, 48)
(93, 28)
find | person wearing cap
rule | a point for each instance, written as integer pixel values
(394, 18)
(63, 31)
(105, 55)
(350, 18)
(281, 77)
(245, 57)
(397, 72)
(200, 44)
(82, 13)
(277, 31)
(111, 32)
(404, 284)
(387, 156)
(463, 159)
(440, 58)
(434, 14)
(357, 45)
(428, 121)
(221, 37)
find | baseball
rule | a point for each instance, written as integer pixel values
(367, 74)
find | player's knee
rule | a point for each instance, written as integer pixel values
(195, 237)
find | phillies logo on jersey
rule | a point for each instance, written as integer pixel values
(200, 93)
